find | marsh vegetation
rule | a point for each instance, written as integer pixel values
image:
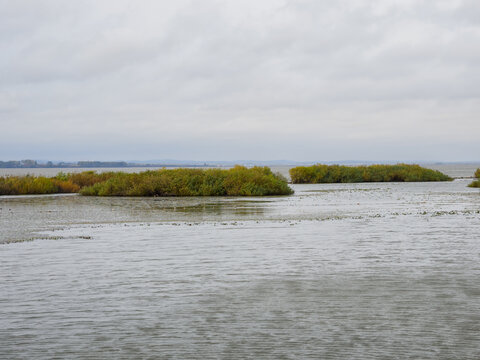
(30, 185)
(319, 173)
(238, 181)
(476, 183)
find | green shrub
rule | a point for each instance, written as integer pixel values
(354, 174)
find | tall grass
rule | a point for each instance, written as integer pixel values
(24, 185)
(85, 178)
(238, 181)
(476, 183)
(354, 174)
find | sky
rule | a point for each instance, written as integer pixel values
(303, 80)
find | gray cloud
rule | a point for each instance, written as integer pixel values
(300, 80)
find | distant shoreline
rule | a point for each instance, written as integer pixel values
(89, 165)
(171, 163)
(110, 166)
(457, 171)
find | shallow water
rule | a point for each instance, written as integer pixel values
(335, 271)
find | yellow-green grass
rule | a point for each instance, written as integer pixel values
(26, 185)
(476, 183)
(62, 183)
(319, 173)
(238, 181)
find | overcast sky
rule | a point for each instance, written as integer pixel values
(304, 80)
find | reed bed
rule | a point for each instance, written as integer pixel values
(30, 185)
(238, 181)
(356, 174)
(476, 183)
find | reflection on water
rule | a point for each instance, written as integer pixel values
(239, 207)
(21, 217)
(334, 271)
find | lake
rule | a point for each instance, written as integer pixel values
(335, 271)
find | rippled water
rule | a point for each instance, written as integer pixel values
(335, 271)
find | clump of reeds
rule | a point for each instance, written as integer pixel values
(85, 178)
(62, 183)
(476, 183)
(24, 185)
(354, 174)
(238, 181)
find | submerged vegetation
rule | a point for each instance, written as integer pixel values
(354, 174)
(476, 183)
(238, 181)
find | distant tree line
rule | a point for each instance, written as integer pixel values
(102, 164)
(19, 164)
(86, 164)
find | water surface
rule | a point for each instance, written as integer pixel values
(335, 271)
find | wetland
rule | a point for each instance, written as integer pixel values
(379, 270)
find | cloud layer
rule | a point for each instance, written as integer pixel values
(222, 80)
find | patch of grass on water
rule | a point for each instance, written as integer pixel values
(238, 181)
(319, 173)
(476, 183)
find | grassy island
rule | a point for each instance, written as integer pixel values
(238, 181)
(319, 173)
(476, 183)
